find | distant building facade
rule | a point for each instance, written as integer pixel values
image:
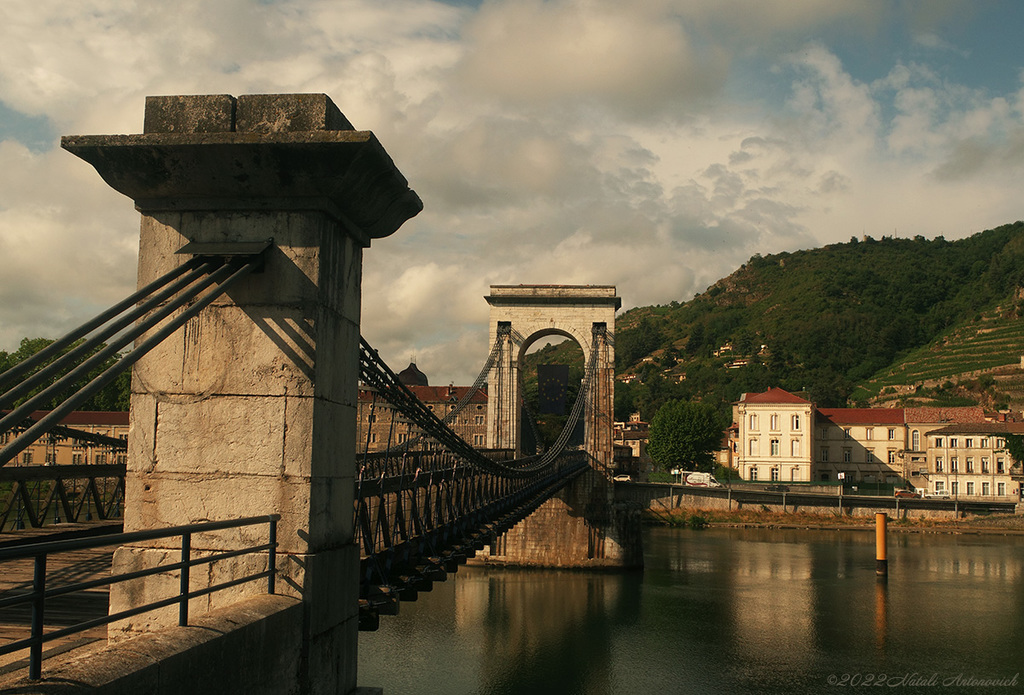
(630, 442)
(774, 436)
(779, 436)
(379, 427)
(64, 449)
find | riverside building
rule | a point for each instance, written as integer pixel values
(779, 436)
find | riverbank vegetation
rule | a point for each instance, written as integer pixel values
(763, 518)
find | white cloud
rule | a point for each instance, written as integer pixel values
(567, 141)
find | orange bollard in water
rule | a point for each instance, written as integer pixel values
(881, 557)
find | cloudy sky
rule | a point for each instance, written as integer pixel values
(654, 145)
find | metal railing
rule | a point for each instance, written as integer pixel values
(28, 494)
(40, 594)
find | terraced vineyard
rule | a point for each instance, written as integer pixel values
(978, 362)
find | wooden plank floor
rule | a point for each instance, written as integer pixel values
(62, 569)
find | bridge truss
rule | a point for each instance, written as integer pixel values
(423, 507)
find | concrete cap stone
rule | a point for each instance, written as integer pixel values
(288, 113)
(200, 113)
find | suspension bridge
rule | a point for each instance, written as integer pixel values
(243, 343)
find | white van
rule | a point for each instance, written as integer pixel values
(700, 479)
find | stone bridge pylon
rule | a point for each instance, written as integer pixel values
(582, 527)
(524, 314)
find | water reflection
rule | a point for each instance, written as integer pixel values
(716, 611)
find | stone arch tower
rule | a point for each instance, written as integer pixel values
(522, 315)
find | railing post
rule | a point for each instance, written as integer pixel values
(35, 653)
(272, 559)
(186, 552)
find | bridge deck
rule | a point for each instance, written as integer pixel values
(62, 569)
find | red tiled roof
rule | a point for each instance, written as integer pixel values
(436, 394)
(981, 428)
(772, 395)
(862, 416)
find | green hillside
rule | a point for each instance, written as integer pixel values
(844, 323)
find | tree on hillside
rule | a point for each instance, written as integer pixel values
(684, 434)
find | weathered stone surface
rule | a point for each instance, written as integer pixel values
(282, 113)
(249, 408)
(201, 113)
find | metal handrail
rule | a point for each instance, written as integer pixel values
(39, 594)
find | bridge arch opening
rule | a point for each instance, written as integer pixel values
(552, 370)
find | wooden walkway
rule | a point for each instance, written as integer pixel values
(62, 569)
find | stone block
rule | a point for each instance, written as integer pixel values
(202, 113)
(331, 587)
(269, 351)
(286, 113)
(159, 500)
(333, 659)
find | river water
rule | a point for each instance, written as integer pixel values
(722, 611)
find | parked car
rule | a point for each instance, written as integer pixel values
(622, 479)
(905, 493)
(777, 488)
(938, 494)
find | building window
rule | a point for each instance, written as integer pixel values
(76, 459)
(792, 474)
(824, 433)
(775, 475)
(970, 487)
(825, 477)
(753, 421)
(26, 457)
(938, 441)
(954, 487)
(892, 433)
(773, 422)
(986, 489)
(847, 456)
(51, 458)
(969, 464)
(846, 433)
(795, 447)
(969, 442)
(122, 459)
(1001, 489)
(824, 454)
(869, 433)
(775, 447)
(753, 472)
(938, 464)
(1000, 443)
(1000, 466)
(478, 419)
(869, 456)
(984, 442)
(984, 464)
(953, 441)
(915, 439)
(954, 464)
(796, 422)
(100, 458)
(892, 456)
(478, 440)
(940, 486)
(752, 447)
